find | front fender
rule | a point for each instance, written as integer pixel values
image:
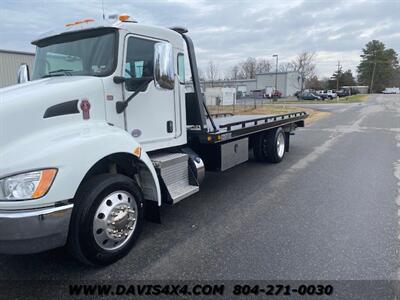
(73, 150)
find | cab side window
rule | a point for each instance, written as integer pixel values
(139, 60)
(181, 68)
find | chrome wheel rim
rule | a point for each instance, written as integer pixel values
(115, 220)
(280, 144)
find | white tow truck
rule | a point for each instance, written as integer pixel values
(102, 133)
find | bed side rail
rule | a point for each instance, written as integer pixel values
(266, 119)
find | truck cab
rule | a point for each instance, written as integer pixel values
(126, 50)
(104, 133)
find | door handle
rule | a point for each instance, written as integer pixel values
(170, 126)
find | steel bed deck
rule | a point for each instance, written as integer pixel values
(229, 126)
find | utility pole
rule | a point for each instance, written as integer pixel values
(102, 7)
(338, 74)
(276, 77)
(372, 78)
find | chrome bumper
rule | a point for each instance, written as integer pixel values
(36, 230)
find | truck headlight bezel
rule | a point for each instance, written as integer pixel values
(29, 185)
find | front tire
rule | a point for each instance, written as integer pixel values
(107, 219)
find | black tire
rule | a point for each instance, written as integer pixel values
(265, 147)
(81, 240)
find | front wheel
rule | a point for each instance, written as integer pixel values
(107, 219)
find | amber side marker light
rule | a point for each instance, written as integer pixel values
(137, 152)
(45, 182)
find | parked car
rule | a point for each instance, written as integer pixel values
(343, 93)
(272, 94)
(327, 94)
(322, 94)
(309, 96)
(393, 90)
(354, 91)
(330, 94)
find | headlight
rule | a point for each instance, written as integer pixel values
(32, 185)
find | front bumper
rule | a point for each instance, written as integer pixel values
(35, 230)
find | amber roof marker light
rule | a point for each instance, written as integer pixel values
(84, 21)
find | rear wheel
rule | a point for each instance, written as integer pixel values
(270, 146)
(107, 219)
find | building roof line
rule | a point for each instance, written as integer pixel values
(16, 52)
(228, 80)
(273, 73)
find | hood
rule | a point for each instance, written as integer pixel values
(23, 106)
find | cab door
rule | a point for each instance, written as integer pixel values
(150, 116)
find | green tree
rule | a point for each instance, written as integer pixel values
(314, 83)
(345, 79)
(395, 81)
(377, 66)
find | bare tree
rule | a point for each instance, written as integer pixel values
(286, 67)
(263, 66)
(235, 72)
(201, 74)
(202, 79)
(248, 68)
(314, 83)
(304, 63)
(212, 72)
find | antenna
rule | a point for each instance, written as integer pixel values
(102, 6)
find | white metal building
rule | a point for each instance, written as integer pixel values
(287, 82)
(9, 63)
(220, 96)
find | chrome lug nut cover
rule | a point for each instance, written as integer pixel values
(115, 220)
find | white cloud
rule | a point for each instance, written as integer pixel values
(228, 31)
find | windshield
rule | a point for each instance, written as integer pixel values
(90, 53)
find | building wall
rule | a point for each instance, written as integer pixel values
(241, 84)
(287, 82)
(293, 83)
(9, 64)
(268, 81)
(220, 96)
(363, 89)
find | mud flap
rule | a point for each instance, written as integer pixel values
(152, 211)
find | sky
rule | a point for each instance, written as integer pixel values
(228, 32)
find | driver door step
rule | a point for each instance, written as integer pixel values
(179, 181)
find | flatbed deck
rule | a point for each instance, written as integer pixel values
(229, 126)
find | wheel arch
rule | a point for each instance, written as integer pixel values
(140, 170)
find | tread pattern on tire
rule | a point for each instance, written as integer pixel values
(84, 203)
(264, 147)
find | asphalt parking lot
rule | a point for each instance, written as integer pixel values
(328, 211)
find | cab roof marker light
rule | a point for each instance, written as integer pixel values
(123, 17)
(84, 21)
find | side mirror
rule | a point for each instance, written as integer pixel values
(23, 74)
(164, 66)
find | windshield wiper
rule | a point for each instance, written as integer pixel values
(65, 71)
